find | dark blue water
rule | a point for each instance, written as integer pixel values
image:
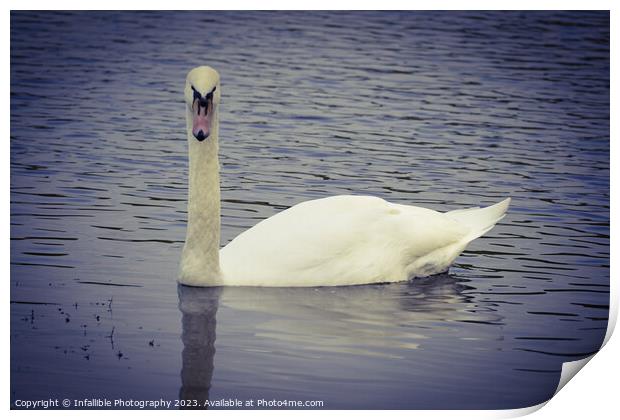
(437, 109)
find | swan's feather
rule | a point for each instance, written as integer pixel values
(345, 240)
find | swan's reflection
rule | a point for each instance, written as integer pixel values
(198, 307)
(389, 320)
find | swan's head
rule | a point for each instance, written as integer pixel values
(202, 96)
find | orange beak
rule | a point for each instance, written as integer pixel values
(202, 110)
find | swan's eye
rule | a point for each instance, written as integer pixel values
(196, 94)
(209, 95)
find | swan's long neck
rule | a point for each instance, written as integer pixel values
(200, 263)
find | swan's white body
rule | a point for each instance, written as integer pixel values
(341, 240)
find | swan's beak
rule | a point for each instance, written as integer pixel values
(202, 110)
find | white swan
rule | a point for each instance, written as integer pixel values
(341, 240)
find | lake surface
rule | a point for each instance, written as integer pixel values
(438, 109)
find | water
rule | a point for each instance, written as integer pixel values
(438, 109)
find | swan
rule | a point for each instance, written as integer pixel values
(333, 241)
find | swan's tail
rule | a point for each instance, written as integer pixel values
(480, 220)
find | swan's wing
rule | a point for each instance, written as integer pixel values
(336, 241)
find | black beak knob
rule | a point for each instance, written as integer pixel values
(200, 136)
